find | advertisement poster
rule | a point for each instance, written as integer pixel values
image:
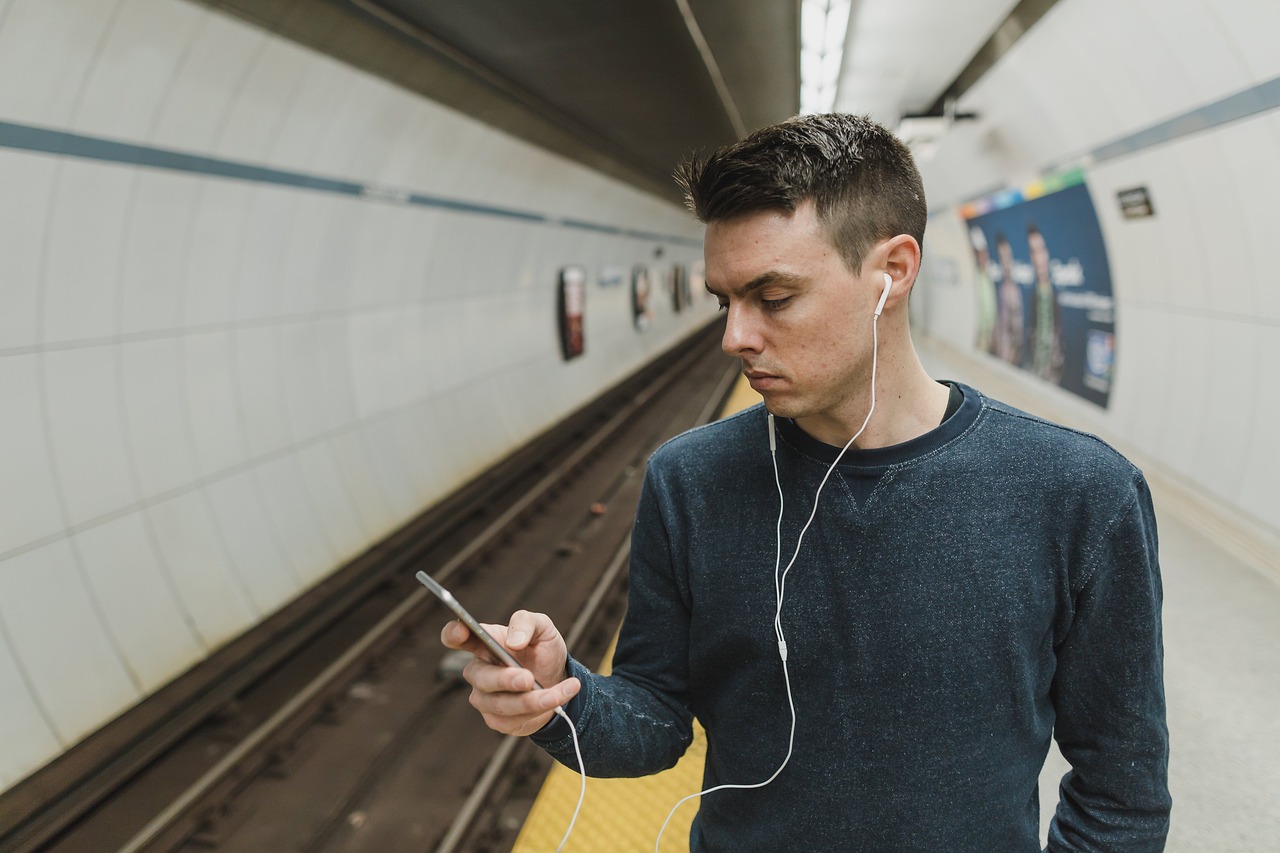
(1044, 284)
(681, 297)
(641, 291)
(572, 299)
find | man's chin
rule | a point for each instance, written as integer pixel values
(780, 407)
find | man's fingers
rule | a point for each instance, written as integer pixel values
(520, 629)
(526, 627)
(454, 635)
(489, 677)
(520, 704)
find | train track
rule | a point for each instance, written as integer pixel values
(336, 731)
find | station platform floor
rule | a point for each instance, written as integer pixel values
(1222, 672)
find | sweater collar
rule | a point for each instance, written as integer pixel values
(896, 454)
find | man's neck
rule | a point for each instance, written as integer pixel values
(908, 404)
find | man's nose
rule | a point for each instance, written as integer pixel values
(741, 333)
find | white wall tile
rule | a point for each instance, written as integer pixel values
(1148, 64)
(58, 637)
(401, 127)
(252, 123)
(212, 403)
(1229, 404)
(158, 429)
(29, 508)
(1146, 396)
(157, 241)
(334, 366)
(335, 127)
(260, 389)
(333, 505)
(1183, 246)
(317, 86)
(360, 482)
(50, 47)
(950, 306)
(214, 254)
(29, 740)
(1251, 25)
(138, 603)
(298, 357)
(379, 440)
(1254, 170)
(134, 67)
(262, 264)
(289, 506)
(82, 256)
(1216, 269)
(382, 239)
(253, 546)
(1140, 269)
(28, 177)
(1213, 64)
(86, 432)
(1186, 374)
(1258, 497)
(212, 593)
(206, 81)
(374, 360)
(298, 286)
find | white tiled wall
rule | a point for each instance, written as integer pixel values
(216, 391)
(1198, 310)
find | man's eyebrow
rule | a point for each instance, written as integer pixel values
(770, 277)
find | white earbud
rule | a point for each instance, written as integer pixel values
(884, 294)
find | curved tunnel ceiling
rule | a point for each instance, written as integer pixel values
(623, 87)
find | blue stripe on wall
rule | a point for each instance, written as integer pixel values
(62, 143)
(1254, 100)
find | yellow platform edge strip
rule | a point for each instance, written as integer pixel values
(623, 815)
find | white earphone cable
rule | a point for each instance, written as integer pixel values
(582, 772)
(780, 579)
(782, 583)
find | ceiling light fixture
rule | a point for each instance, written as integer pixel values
(823, 26)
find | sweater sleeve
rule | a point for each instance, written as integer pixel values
(1108, 693)
(636, 721)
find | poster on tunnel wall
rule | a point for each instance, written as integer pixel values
(571, 299)
(1044, 284)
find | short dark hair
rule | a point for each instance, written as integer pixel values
(861, 178)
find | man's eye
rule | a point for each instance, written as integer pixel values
(775, 304)
(723, 306)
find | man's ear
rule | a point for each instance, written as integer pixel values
(899, 257)
(902, 258)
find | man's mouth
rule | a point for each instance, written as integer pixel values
(761, 380)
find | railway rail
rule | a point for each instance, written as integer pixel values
(330, 727)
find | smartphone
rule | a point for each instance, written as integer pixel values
(470, 621)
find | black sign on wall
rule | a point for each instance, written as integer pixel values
(1135, 203)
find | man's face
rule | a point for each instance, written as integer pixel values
(1039, 255)
(1005, 251)
(797, 317)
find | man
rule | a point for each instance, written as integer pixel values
(1046, 316)
(1009, 328)
(985, 291)
(972, 576)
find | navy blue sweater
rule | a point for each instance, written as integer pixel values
(959, 599)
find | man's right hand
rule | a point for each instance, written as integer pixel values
(506, 696)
